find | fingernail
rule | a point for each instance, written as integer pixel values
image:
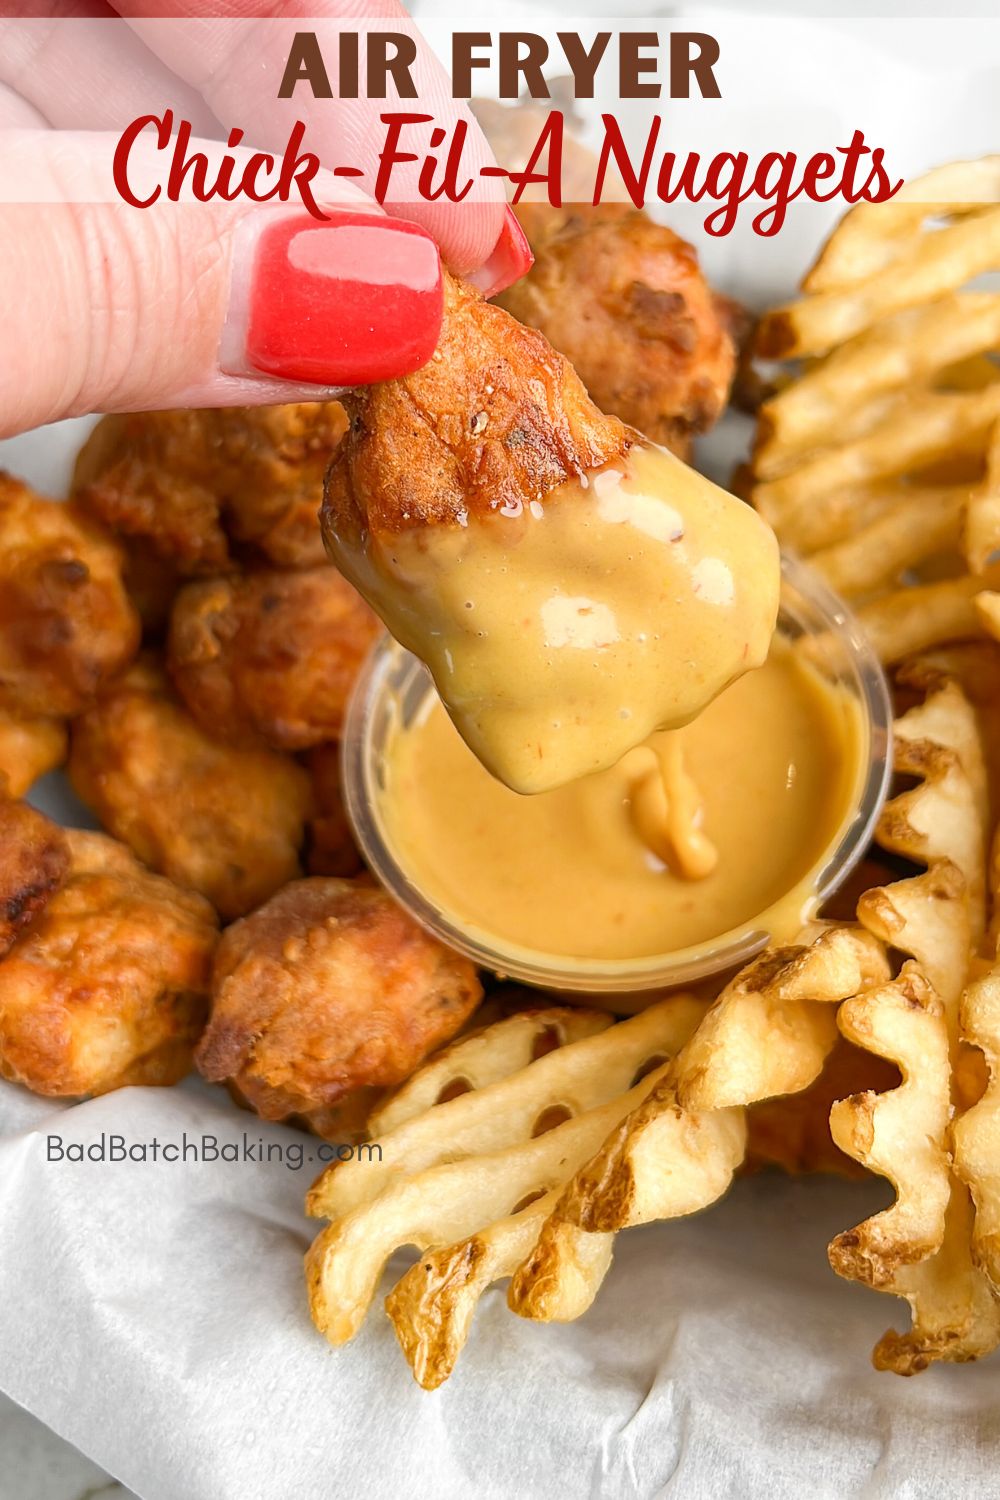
(511, 257)
(348, 301)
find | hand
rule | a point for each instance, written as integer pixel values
(110, 307)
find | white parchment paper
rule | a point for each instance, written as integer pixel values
(155, 1314)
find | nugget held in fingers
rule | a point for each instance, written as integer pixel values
(224, 820)
(270, 656)
(192, 486)
(571, 588)
(329, 988)
(66, 624)
(106, 984)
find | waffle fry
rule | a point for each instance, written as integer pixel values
(768, 1033)
(485, 1155)
(523, 1104)
(485, 1057)
(879, 452)
(920, 1248)
(976, 1134)
(899, 1135)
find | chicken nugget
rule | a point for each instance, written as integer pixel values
(66, 624)
(106, 983)
(34, 859)
(329, 988)
(623, 298)
(29, 748)
(270, 656)
(225, 820)
(330, 842)
(197, 486)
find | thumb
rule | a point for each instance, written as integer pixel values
(106, 307)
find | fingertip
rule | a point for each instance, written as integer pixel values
(509, 259)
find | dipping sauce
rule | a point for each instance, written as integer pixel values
(761, 787)
(564, 632)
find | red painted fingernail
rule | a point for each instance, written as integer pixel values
(344, 302)
(510, 258)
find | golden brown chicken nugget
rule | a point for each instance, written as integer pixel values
(270, 656)
(192, 485)
(29, 748)
(223, 820)
(66, 624)
(331, 846)
(623, 298)
(34, 859)
(329, 988)
(107, 985)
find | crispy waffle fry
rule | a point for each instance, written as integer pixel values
(865, 242)
(485, 1155)
(444, 1203)
(793, 1131)
(982, 518)
(913, 619)
(920, 1248)
(559, 1085)
(930, 266)
(915, 431)
(909, 530)
(661, 1162)
(432, 1306)
(768, 1033)
(976, 1134)
(906, 350)
(880, 459)
(771, 1028)
(904, 1022)
(485, 1057)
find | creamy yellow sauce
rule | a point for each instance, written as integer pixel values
(768, 777)
(564, 633)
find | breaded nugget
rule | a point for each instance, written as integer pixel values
(34, 859)
(270, 656)
(196, 487)
(619, 295)
(331, 849)
(493, 422)
(29, 748)
(66, 625)
(106, 985)
(624, 300)
(329, 988)
(224, 820)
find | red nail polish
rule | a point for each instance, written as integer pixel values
(510, 258)
(346, 302)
